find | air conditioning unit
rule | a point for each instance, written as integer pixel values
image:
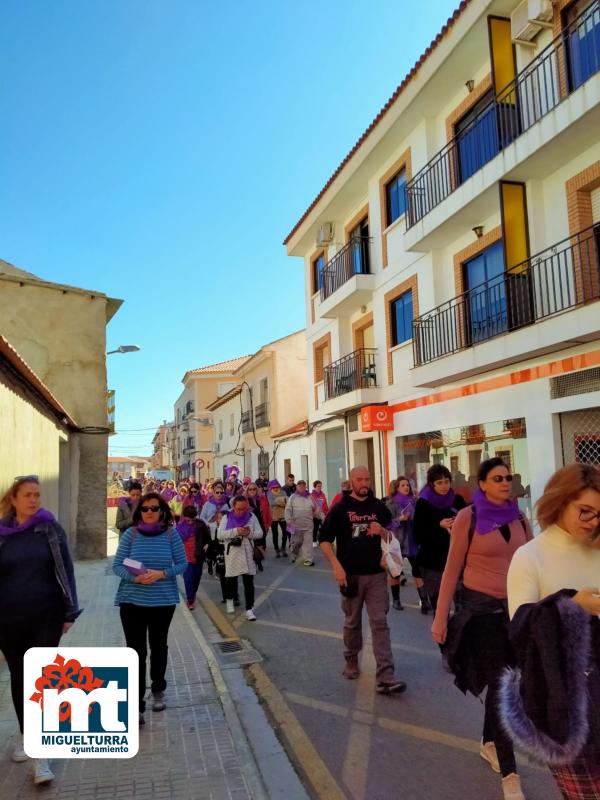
(529, 18)
(325, 233)
(203, 421)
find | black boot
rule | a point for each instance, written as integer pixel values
(396, 598)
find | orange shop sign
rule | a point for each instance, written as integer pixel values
(377, 418)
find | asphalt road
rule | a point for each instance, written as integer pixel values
(347, 741)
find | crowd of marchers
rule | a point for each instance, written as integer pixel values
(516, 616)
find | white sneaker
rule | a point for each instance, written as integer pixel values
(18, 754)
(230, 607)
(250, 615)
(315, 544)
(41, 771)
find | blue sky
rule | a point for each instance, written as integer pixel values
(160, 152)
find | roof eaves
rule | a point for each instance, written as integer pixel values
(220, 401)
(25, 371)
(398, 91)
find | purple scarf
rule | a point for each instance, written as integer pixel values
(217, 502)
(233, 521)
(438, 500)
(168, 494)
(403, 501)
(272, 484)
(491, 516)
(151, 529)
(8, 525)
(185, 528)
(301, 494)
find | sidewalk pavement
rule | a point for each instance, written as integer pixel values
(197, 748)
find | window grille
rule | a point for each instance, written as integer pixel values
(580, 434)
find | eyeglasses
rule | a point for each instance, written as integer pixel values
(502, 478)
(216, 493)
(587, 514)
(149, 509)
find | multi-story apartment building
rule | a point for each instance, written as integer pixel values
(193, 441)
(452, 260)
(162, 452)
(255, 417)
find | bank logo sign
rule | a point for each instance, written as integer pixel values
(81, 702)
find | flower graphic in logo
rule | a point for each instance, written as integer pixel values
(61, 675)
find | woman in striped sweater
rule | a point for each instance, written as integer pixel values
(147, 601)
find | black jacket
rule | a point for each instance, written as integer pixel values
(62, 563)
(549, 703)
(432, 540)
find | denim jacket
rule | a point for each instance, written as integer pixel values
(63, 566)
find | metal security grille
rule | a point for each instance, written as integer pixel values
(587, 380)
(580, 434)
(230, 646)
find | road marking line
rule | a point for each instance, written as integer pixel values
(414, 731)
(267, 593)
(301, 748)
(217, 616)
(312, 764)
(330, 595)
(355, 769)
(407, 648)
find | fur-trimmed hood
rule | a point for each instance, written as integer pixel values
(544, 703)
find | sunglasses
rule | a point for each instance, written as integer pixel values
(149, 509)
(26, 478)
(502, 478)
(218, 493)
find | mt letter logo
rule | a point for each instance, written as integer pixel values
(81, 702)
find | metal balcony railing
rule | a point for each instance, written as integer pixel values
(357, 370)
(352, 259)
(557, 279)
(261, 415)
(557, 71)
(246, 421)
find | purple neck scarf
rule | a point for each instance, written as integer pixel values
(233, 521)
(217, 501)
(168, 494)
(403, 500)
(437, 500)
(185, 528)
(491, 516)
(8, 525)
(151, 529)
(301, 494)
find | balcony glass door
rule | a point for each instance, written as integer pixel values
(485, 282)
(583, 40)
(477, 137)
(359, 238)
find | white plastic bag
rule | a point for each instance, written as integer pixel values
(393, 556)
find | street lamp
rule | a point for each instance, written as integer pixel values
(124, 348)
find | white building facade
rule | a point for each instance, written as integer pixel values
(452, 262)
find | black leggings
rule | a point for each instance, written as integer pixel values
(316, 526)
(18, 637)
(232, 589)
(141, 623)
(492, 727)
(275, 533)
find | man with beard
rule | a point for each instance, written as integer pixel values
(357, 523)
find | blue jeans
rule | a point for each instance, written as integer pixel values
(191, 579)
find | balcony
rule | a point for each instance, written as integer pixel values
(561, 278)
(246, 421)
(354, 371)
(554, 75)
(346, 281)
(261, 416)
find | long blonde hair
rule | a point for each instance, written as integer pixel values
(6, 505)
